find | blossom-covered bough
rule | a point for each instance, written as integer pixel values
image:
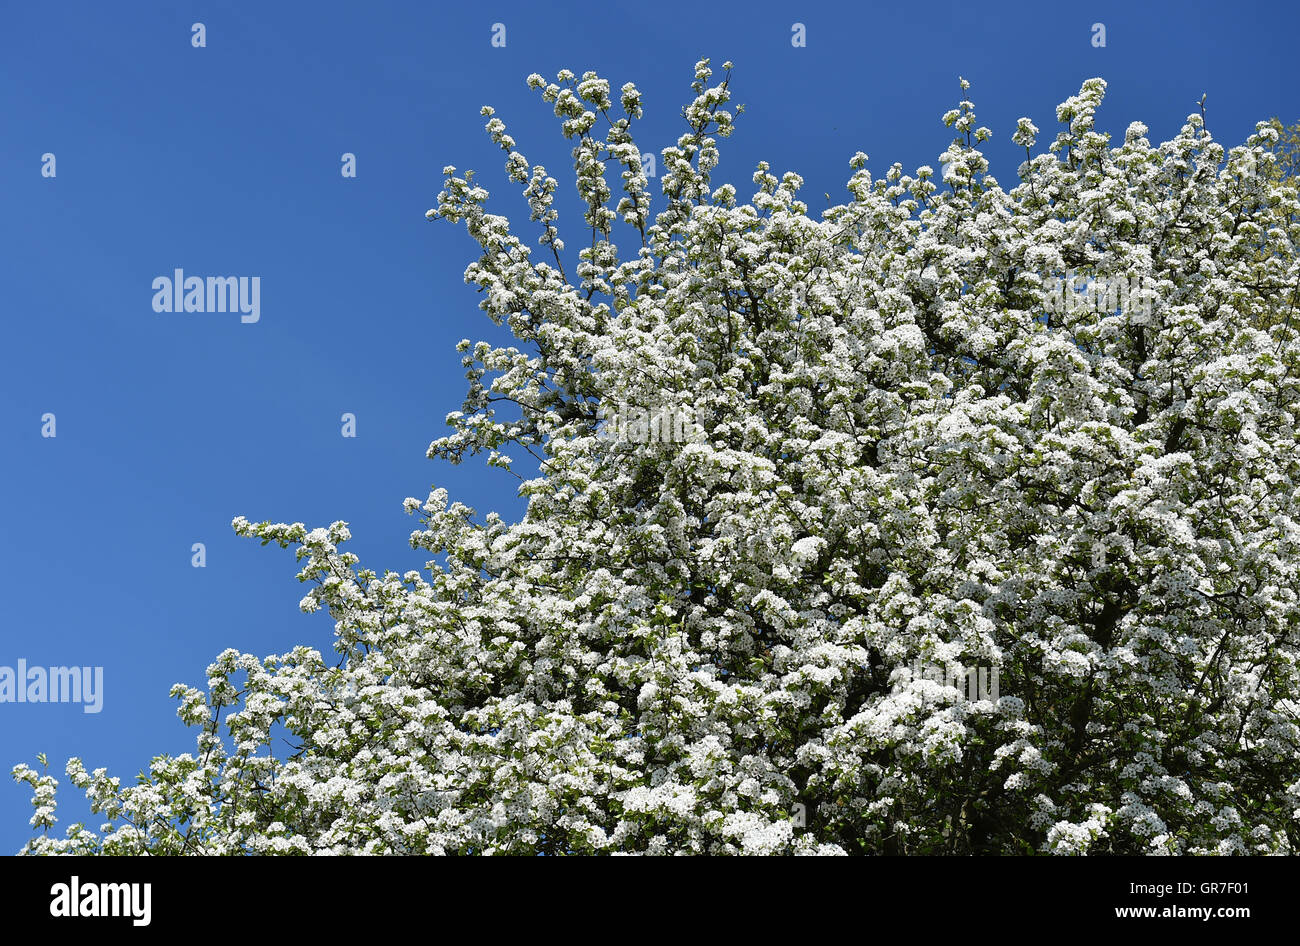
(906, 449)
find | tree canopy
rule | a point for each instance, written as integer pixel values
(1047, 431)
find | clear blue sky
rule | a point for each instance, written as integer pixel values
(225, 160)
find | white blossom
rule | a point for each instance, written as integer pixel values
(907, 453)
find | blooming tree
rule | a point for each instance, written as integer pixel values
(906, 443)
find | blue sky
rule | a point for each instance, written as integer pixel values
(225, 160)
